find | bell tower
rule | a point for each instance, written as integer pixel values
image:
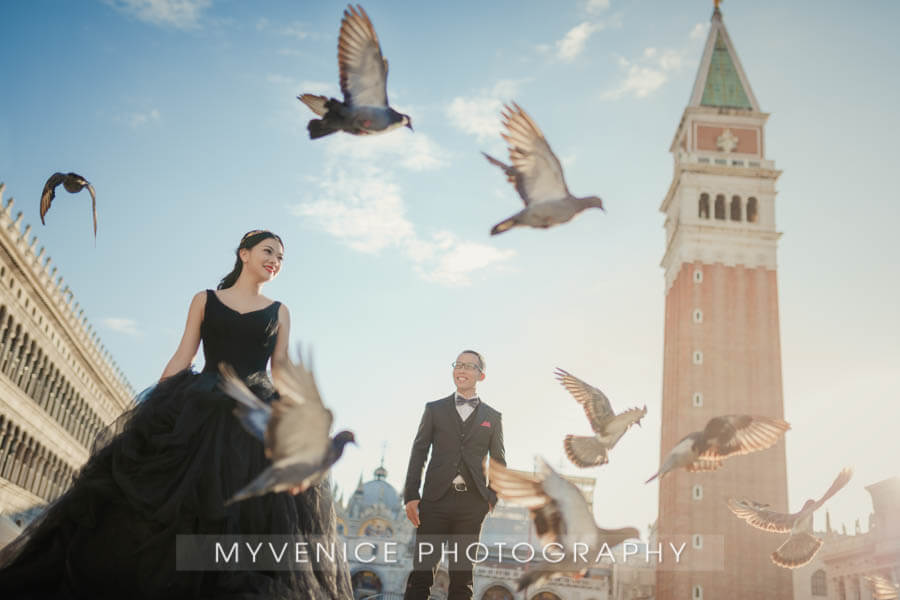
(722, 350)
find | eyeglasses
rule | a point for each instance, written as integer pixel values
(464, 365)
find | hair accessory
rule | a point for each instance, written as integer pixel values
(252, 233)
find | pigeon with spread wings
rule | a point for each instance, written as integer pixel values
(294, 431)
(561, 516)
(537, 176)
(609, 427)
(363, 74)
(74, 183)
(881, 587)
(728, 435)
(802, 545)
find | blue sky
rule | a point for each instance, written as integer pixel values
(183, 115)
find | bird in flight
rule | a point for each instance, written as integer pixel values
(537, 175)
(801, 546)
(609, 427)
(561, 516)
(724, 436)
(294, 431)
(363, 76)
(74, 183)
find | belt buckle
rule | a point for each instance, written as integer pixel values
(460, 487)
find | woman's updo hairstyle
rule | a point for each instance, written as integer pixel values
(250, 239)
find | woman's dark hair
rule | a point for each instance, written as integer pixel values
(250, 239)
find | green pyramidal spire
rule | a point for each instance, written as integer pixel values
(723, 85)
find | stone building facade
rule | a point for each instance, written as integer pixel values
(58, 385)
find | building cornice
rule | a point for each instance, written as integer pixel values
(58, 304)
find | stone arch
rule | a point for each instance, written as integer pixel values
(752, 210)
(545, 595)
(819, 583)
(720, 207)
(735, 209)
(365, 582)
(498, 591)
(703, 207)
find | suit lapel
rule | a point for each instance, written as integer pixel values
(450, 410)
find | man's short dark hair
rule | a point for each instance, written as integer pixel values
(481, 363)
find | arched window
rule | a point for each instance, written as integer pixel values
(735, 208)
(720, 207)
(752, 211)
(497, 592)
(703, 211)
(819, 583)
(365, 583)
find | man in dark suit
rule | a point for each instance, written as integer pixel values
(460, 430)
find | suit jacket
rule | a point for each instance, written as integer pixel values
(440, 430)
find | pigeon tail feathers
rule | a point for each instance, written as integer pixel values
(797, 551)
(320, 128)
(585, 451)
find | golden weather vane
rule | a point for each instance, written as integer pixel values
(716, 4)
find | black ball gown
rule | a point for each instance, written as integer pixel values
(174, 460)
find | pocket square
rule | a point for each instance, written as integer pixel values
(485, 424)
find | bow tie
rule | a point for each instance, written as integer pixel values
(473, 402)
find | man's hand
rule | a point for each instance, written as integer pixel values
(412, 512)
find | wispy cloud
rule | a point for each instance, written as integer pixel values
(295, 30)
(359, 201)
(649, 72)
(699, 31)
(573, 43)
(479, 115)
(140, 119)
(182, 14)
(122, 325)
(596, 6)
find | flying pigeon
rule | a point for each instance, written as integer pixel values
(591, 451)
(801, 546)
(536, 175)
(295, 432)
(561, 516)
(363, 72)
(724, 436)
(74, 183)
(881, 587)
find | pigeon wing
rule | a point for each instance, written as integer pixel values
(49, 193)
(363, 69)
(298, 429)
(317, 104)
(576, 523)
(760, 517)
(93, 206)
(731, 435)
(881, 587)
(252, 412)
(839, 482)
(539, 174)
(595, 403)
(517, 488)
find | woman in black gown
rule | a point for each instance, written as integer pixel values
(176, 458)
